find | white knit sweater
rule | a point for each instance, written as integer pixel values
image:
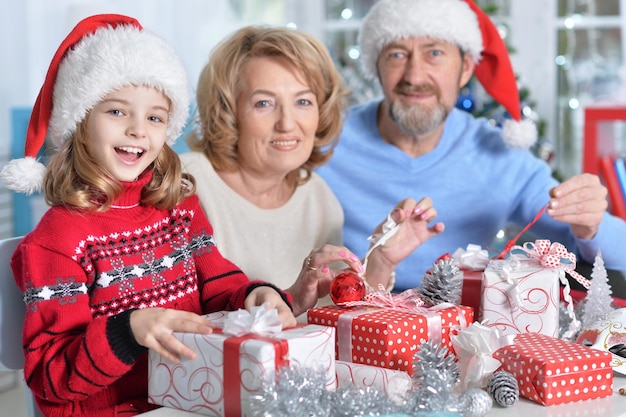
(268, 244)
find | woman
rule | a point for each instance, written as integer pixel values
(270, 106)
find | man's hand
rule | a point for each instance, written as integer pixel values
(581, 202)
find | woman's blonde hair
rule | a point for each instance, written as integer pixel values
(219, 84)
(74, 179)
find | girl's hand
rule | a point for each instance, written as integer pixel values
(265, 294)
(153, 327)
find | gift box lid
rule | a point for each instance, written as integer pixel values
(550, 356)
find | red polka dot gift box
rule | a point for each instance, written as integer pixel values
(553, 371)
(385, 337)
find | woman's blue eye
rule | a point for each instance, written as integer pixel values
(262, 103)
(305, 102)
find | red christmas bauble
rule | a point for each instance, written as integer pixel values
(347, 286)
(444, 257)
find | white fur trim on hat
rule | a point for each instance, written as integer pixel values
(388, 20)
(107, 60)
(23, 175)
(519, 134)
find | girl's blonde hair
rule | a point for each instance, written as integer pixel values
(220, 83)
(74, 179)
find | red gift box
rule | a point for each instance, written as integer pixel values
(554, 371)
(471, 294)
(385, 337)
(472, 261)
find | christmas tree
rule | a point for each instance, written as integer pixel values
(598, 302)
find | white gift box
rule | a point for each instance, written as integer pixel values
(229, 370)
(392, 382)
(521, 296)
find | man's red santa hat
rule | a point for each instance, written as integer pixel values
(462, 23)
(100, 55)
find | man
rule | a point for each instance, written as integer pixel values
(414, 142)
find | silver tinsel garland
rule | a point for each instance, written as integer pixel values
(302, 392)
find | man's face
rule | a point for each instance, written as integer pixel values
(421, 79)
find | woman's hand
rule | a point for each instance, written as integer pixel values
(153, 327)
(413, 219)
(314, 280)
(264, 294)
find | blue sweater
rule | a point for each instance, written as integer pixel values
(476, 182)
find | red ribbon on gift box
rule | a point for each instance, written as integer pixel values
(515, 238)
(232, 377)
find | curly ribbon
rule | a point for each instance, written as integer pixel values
(259, 320)
(474, 257)
(389, 228)
(407, 301)
(474, 347)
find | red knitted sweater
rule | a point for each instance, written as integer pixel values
(82, 275)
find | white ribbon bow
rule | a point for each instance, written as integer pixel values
(474, 257)
(474, 347)
(259, 320)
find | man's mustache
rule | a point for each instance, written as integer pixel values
(405, 88)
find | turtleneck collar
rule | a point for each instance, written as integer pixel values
(131, 196)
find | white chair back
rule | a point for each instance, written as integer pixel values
(12, 310)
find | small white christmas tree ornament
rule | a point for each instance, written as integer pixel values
(598, 302)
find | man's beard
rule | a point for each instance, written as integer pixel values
(414, 119)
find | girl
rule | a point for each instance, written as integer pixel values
(125, 255)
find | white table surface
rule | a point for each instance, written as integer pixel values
(614, 406)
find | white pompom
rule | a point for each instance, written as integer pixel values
(24, 175)
(522, 134)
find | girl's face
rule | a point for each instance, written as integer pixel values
(127, 130)
(278, 115)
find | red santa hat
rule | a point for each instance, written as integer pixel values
(101, 54)
(462, 23)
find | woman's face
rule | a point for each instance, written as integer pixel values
(278, 116)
